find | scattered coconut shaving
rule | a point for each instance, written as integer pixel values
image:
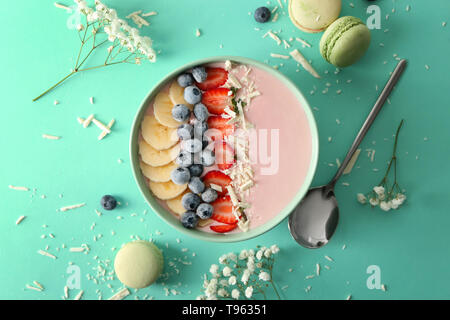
(87, 122)
(101, 125)
(279, 56)
(18, 188)
(79, 295)
(305, 64)
(21, 218)
(46, 254)
(104, 133)
(50, 137)
(61, 6)
(75, 206)
(306, 44)
(120, 295)
(273, 36)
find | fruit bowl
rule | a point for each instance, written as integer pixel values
(277, 217)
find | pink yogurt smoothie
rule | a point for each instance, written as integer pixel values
(276, 110)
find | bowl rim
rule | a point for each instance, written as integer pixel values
(169, 217)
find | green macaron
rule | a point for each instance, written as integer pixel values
(345, 41)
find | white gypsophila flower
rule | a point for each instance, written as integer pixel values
(259, 265)
(224, 283)
(249, 292)
(212, 297)
(245, 276)
(374, 201)
(251, 266)
(385, 206)
(232, 256)
(227, 271)
(259, 254)
(202, 297)
(235, 294)
(232, 280)
(274, 248)
(379, 190)
(223, 259)
(243, 255)
(264, 276)
(222, 293)
(394, 204)
(214, 269)
(267, 253)
(251, 253)
(211, 289)
(401, 197)
(361, 198)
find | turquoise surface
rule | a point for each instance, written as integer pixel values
(410, 246)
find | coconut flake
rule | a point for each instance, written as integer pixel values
(305, 64)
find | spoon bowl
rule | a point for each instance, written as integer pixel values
(314, 221)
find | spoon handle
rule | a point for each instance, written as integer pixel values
(371, 118)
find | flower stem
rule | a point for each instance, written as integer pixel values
(54, 86)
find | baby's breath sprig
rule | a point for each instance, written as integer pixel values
(101, 24)
(384, 195)
(241, 276)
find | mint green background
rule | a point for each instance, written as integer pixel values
(410, 245)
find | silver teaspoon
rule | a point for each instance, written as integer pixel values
(314, 221)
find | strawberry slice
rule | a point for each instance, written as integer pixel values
(223, 211)
(217, 77)
(224, 155)
(221, 124)
(216, 100)
(223, 228)
(218, 178)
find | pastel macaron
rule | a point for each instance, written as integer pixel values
(138, 264)
(345, 41)
(314, 16)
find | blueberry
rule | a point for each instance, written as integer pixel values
(108, 202)
(262, 14)
(199, 74)
(189, 220)
(196, 185)
(192, 145)
(180, 176)
(209, 195)
(208, 158)
(201, 112)
(196, 170)
(181, 113)
(200, 127)
(190, 201)
(185, 131)
(185, 80)
(205, 211)
(184, 159)
(192, 95)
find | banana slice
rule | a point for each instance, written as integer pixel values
(175, 204)
(163, 111)
(166, 190)
(204, 223)
(176, 94)
(158, 136)
(156, 158)
(158, 174)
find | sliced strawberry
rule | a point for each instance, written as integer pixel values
(223, 211)
(224, 155)
(217, 77)
(221, 124)
(223, 228)
(216, 100)
(218, 178)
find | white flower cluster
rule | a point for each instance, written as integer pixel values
(379, 198)
(117, 29)
(237, 276)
